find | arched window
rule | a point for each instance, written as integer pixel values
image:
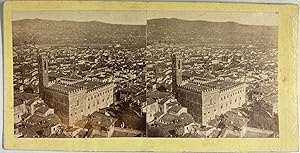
(45, 66)
(77, 102)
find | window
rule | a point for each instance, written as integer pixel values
(204, 113)
(77, 102)
(45, 65)
(211, 101)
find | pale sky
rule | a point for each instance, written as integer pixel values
(115, 17)
(139, 17)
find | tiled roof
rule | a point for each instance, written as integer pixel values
(101, 120)
(150, 101)
(157, 94)
(195, 86)
(53, 119)
(233, 119)
(32, 100)
(25, 96)
(90, 84)
(17, 102)
(165, 99)
(175, 108)
(62, 87)
(186, 118)
(42, 110)
(168, 118)
(35, 119)
(224, 84)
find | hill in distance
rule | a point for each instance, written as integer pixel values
(38, 31)
(173, 30)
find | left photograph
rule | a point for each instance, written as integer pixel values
(79, 74)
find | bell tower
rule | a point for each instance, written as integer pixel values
(43, 73)
(176, 72)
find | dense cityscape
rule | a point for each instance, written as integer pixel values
(130, 87)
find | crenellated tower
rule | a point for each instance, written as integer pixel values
(43, 73)
(176, 73)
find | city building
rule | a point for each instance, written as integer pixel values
(73, 97)
(205, 97)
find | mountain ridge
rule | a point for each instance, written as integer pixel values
(170, 30)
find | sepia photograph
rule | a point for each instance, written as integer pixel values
(150, 76)
(79, 74)
(181, 74)
(211, 74)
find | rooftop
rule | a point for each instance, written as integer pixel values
(25, 96)
(17, 102)
(164, 100)
(194, 86)
(157, 95)
(62, 87)
(53, 119)
(175, 108)
(42, 110)
(101, 120)
(236, 120)
(168, 118)
(224, 84)
(186, 118)
(90, 84)
(150, 101)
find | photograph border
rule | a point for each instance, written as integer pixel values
(287, 84)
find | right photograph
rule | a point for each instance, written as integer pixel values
(211, 74)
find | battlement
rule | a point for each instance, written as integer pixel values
(73, 85)
(210, 89)
(50, 83)
(198, 88)
(97, 88)
(65, 89)
(77, 90)
(239, 85)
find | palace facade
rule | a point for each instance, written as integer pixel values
(205, 97)
(72, 98)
